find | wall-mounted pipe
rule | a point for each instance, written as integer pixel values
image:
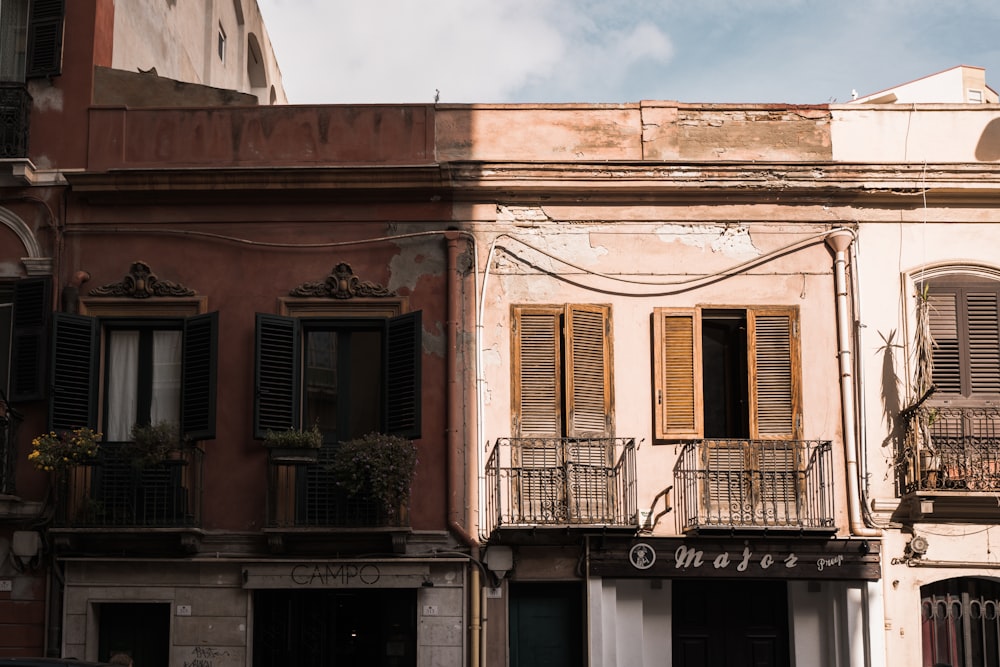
(839, 241)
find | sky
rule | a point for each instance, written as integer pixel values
(615, 51)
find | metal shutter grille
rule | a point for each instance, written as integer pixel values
(537, 390)
(588, 380)
(772, 355)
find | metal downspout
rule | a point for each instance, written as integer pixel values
(839, 241)
(454, 442)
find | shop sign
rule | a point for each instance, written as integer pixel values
(733, 558)
(336, 574)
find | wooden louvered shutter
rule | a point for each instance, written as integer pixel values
(678, 397)
(588, 372)
(981, 313)
(72, 403)
(276, 376)
(536, 385)
(942, 318)
(402, 368)
(32, 310)
(199, 376)
(772, 338)
(45, 37)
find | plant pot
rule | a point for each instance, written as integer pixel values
(293, 455)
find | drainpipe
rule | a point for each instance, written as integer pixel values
(477, 629)
(839, 241)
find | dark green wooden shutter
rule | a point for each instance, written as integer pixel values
(276, 374)
(45, 37)
(32, 310)
(198, 376)
(402, 368)
(72, 403)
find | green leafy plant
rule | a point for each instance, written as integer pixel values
(378, 466)
(153, 443)
(59, 450)
(311, 438)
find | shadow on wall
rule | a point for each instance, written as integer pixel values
(988, 148)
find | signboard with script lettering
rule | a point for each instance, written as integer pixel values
(734, 558)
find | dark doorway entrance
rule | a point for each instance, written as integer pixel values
(140, 629)
(546, 625)
(335, 628)
(725, 623)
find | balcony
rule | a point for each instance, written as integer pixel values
(305, 495)
(560, 482)
(117, 492)
(950, 449)
(15, 112)
(755, 485)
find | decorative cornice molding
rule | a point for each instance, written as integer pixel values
(341, 284)
(141, 283)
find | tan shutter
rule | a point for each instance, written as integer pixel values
(588, 376)
(726, 483)
(942, 317)
(679, 412)
(772, 338)
(536, 384)
(984, 342)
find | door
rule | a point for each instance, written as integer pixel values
(139, 629)
(546, 625)
(335, 628)
(725, 623)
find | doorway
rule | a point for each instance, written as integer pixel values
(724, 623)
(140, 629)
(321, 628)
(546, 625)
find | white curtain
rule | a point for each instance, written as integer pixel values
(123, 381)
(13, 38)
(123, 384)
(166, 377)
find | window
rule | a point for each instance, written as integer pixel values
(727, 381)
(24, 321)
(145, 369)
(350, 375)
(222, 44)
(726, 373)
(963, 317)
(30, 38)
(562, 405)
(975, 96)
(562, 371)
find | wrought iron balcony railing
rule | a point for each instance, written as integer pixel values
(951, 449)
(560, 482)
(755, 484)
(306, 495)
(118, 491)
(10, 419)
(15, 113)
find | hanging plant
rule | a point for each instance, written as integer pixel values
(60, 450)
(377, 466)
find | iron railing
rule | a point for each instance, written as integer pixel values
(116, 490)
(961, 629)
(755, 484)
(306, 495)
(15, 113)
(10, 419)
(952, 449)
(560, 482)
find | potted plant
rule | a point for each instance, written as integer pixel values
(152, 444)
(378, 467)
(294, 445)
(57, 451)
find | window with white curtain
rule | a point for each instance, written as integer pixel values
(143, 379)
